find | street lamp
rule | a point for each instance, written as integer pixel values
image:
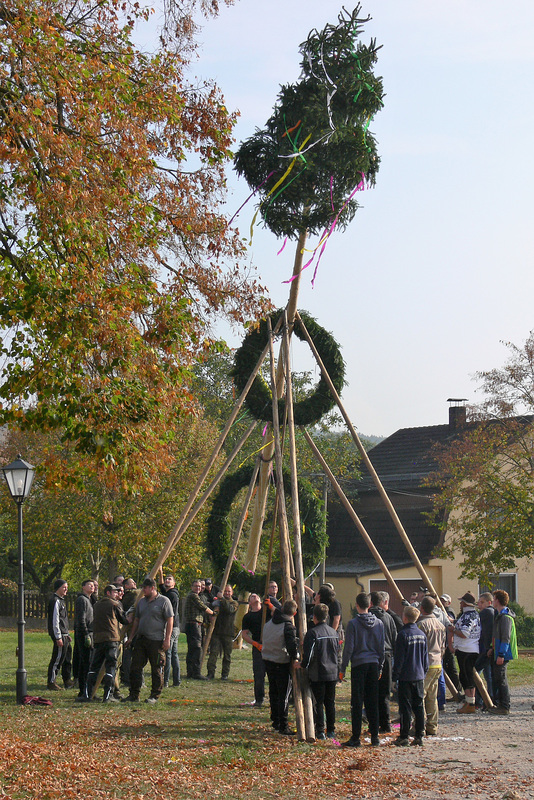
(19, 479)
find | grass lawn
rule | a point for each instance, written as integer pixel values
(202, 739)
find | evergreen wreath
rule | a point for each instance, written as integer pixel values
(219, 530)
(315, 405)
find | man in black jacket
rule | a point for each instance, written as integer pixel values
(168, 589)
(320, 652)
(380, 608)
(83, 632)
(58, 630)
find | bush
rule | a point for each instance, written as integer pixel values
(524, 625)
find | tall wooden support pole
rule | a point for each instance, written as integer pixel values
(299, 676)
(367, 461)
(268, 453)
(231, 555)
(355, 518)
(285, 557)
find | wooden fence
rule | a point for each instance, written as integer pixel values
(35, 605)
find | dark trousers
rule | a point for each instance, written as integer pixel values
(61, 661)
(411, 696)
(384, 692)
(147, 650)
(84, 659)
(279, 676)
(501, 690)
(172, 660)
(483, 664)
(325, 703)
(364, 692)
(218, 645)
(103, 653)
(258, 670)
(449, 665)
(193, 631)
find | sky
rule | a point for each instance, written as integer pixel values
(435, 270)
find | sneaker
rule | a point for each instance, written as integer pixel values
(352, 743)
(166, 685)
(467, 708)
(82, 698)
(375, 741)
(69, 684)
(224, 677)
(130, 699)
(330, 734)
(256, 704)
(176, 683)
(417, 742)
(321, 736)
(499, 711)
(151, 700)
(53, 687)
(401, 742)
(287, 731)
(111, 699)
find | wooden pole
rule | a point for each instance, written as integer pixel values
(353, 515)
(230, 559)
(299, 676)
(284, 532)
(367, 461)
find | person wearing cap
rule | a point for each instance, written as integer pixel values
(108, 616)
(58, 630)
(466, 635)
(151, 637)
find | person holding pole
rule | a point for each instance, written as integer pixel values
(251, 633)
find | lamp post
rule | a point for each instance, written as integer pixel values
(19, 478)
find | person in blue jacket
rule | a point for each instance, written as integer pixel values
(503, 650)
(410, 665)
(365, 649)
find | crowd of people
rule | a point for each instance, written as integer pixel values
(118, 634)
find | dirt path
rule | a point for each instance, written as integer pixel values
(477, 755)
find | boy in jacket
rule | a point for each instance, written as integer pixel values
(410, 665)
(504, 649)
(320, 652)
(364, 648)
(278, 648)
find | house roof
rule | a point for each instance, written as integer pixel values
(402, 462)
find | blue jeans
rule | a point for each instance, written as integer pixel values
(172, 660)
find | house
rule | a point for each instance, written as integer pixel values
(402, 462)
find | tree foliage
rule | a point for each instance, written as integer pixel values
(485, 477)
(114, 255)
(316, 148)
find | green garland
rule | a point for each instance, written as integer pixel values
(315, 405)
(219, 532)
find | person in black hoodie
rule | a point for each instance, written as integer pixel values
(364, 648)
(380, 608)
(168, 589)
(278, 648)
(320, 650)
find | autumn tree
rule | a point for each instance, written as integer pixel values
(115, 257)
(485, 476)
(92, 528)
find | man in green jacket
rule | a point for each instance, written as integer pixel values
(222, 639)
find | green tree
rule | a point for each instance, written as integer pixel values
(485, 476)
(114, 253)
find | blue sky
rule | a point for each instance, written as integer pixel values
(436, 268)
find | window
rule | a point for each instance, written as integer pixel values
(506, 581)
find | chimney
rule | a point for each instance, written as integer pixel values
(457, 413)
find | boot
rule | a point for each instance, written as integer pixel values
(467, 708)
